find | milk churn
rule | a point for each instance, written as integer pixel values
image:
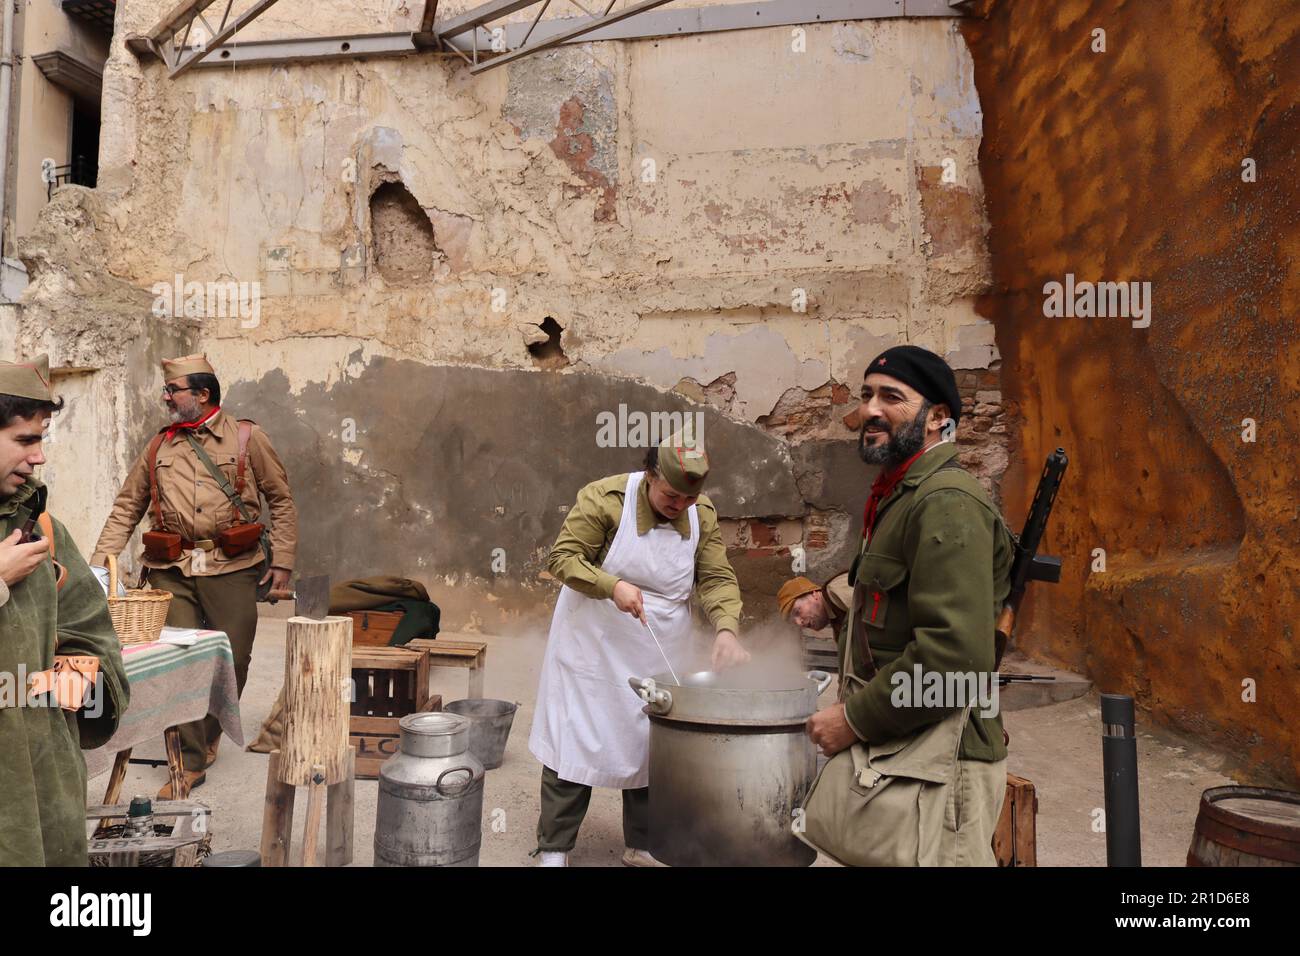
(430, 796)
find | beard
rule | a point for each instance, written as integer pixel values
(903, 443)
(184, 413)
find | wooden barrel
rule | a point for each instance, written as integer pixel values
(1246, 826)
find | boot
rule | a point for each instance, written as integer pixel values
(193, 778)
(210, 755)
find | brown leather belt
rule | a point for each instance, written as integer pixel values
(204, 544)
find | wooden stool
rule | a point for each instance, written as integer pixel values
(468, 654)
(277, 816)
(314, 751)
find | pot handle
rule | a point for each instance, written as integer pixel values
(822, 678)
(660, 701)
(438, 783)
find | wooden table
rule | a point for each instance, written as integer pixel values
(170, 685)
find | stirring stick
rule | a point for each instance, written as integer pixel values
(676, 679)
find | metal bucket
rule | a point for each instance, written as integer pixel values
(489, 727)
(729, 765)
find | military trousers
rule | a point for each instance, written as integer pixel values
(564, 805)
(220, 602)
(975, 798)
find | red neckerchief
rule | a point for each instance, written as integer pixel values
(880, 488)
(190, 426)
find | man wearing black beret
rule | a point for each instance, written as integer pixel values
(917, 708)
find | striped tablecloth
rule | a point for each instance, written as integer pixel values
(173, 685)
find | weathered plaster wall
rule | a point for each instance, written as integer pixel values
(43, 111)
(659, 206)
(1127, 165)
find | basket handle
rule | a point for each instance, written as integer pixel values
(112, 575)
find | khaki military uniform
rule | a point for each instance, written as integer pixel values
(209, 590)
(576, 559)
(837, 595)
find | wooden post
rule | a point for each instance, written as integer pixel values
(315, 802)
(338, 816)
(175, 763)
(317, 695)
(314, 751)
(277, 817)
(118, 777)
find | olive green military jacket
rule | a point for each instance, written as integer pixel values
(928, 587)
(589, 531)
(42, 771)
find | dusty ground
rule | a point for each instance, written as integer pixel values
(1056, 746)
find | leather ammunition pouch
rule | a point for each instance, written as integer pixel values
(240, 538)
(161, 546)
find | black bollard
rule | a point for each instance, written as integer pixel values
(1120, 768)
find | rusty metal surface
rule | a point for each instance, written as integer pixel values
(1127, 166)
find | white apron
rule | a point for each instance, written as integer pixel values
(588, 726)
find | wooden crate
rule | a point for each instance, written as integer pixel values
(1015, 836)
(820, 654)
(471, 655)
(378, 738)
(374, 628)
(389, 681)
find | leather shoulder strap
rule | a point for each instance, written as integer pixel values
(245, 430)
(155, 500)
(46, 524)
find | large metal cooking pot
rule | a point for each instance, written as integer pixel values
(729, 764)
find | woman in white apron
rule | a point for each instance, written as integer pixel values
(632, 551)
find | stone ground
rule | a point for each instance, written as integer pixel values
(1057, 746)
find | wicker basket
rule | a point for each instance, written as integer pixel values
(138, 617)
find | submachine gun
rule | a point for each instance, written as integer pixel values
(1028, 565)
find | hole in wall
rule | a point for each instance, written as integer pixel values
(401, 235)
(549, 354)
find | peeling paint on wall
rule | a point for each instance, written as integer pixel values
(601, 222)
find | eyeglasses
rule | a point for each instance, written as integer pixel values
(173, 389)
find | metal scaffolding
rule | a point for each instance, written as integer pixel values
(483, 39)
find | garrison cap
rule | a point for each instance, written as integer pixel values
(683, 462)
(27, 379)
(186, 365)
